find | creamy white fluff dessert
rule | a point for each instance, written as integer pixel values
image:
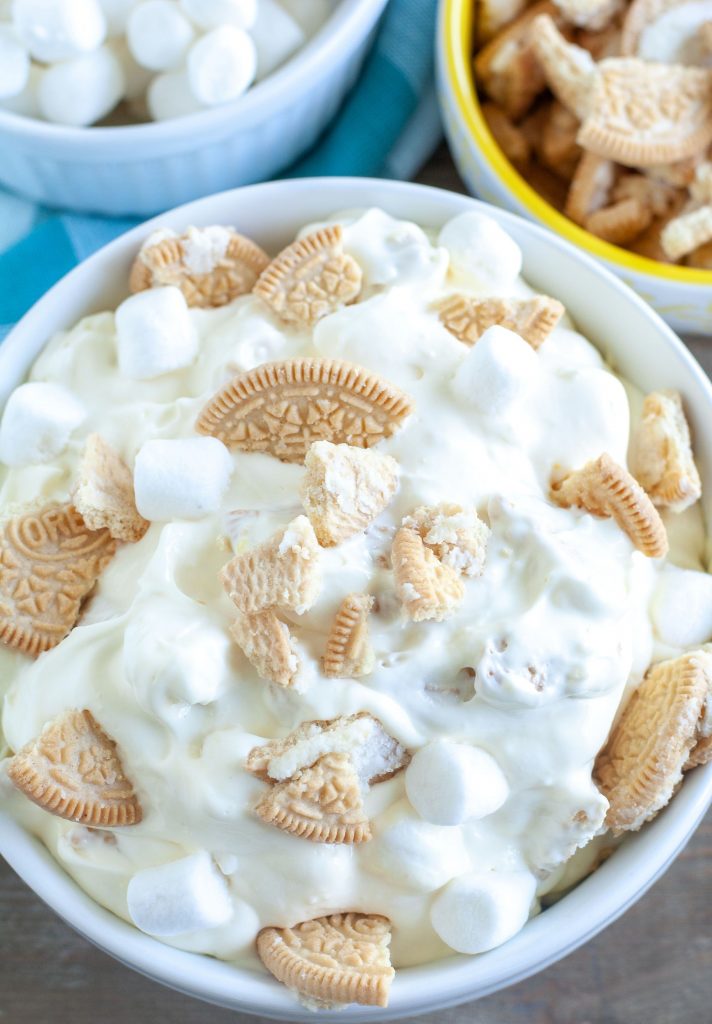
(443, 598)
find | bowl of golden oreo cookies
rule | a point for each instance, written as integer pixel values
(593, 118)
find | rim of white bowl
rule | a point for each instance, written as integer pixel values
(582, 913)
(350, 19)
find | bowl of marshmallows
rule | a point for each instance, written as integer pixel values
(133, 106)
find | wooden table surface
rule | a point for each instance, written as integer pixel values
(653, 966)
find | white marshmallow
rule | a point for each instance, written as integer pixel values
(681, 608)
(181, 479)
(37, 423)
(154, 333)
(449, 783)
(14, 63)
(169, 95)
(136, 78)
(221, 65)
(26, 103)
(56, 30)
(186, 895)
(158, 34)
(407, 851)
(481, 253)
(309, 14)
(496, 371)
(81, 91)
(481, 910)
(276, 35)
(213, 13)
(116, 13)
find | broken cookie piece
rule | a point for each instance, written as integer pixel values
(211, 265)
(311, 278)
(345, 489)
(642, 763)
(284, 572)
(604, 488)
(322, 803)
(661, 453)
(335, 960)
(73, 770)
(104, 496)
(348, 652)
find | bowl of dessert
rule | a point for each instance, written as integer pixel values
(354, 605)
(592, 119)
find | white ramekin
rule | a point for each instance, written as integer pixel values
(641, 346)
(145, 168)
(682, 295)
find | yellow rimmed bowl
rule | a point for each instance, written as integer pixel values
(682, 295)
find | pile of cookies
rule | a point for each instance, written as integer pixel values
(605, 108)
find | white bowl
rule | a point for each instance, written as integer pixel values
(643, 348)
(682, 295)
(145, 168)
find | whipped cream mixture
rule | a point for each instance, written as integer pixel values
(530, 669)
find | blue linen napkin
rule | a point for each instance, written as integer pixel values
(387, 127)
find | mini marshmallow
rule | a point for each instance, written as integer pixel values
(14, 63)
(209, 14)
(186, 895)
(413, 853)
(481, 253)
(481, 910)
(681, 608)
(116, 13)
(449, 783)
(181, 479)
(221, 65)
(81, 91)
(158, 34)
(276, 35)
(55, 30)
(154, 333)
(496, 371)
(37, 423)
(169, 95)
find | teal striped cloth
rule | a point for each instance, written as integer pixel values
(387, 127)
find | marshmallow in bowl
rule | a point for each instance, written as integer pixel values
(496, 371)
(449, 783)
(170, 95)
(158, 35)
(276, 36)
(83, 90)
(14, 63)
(482, 255)
(57, 30)
(481, 910)
(185, 895)
(221, 65)
(154, 333)
(182, 478)
(681, 609)
(38, 420)
(116, 13)
(419, 855)
(214, 13)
